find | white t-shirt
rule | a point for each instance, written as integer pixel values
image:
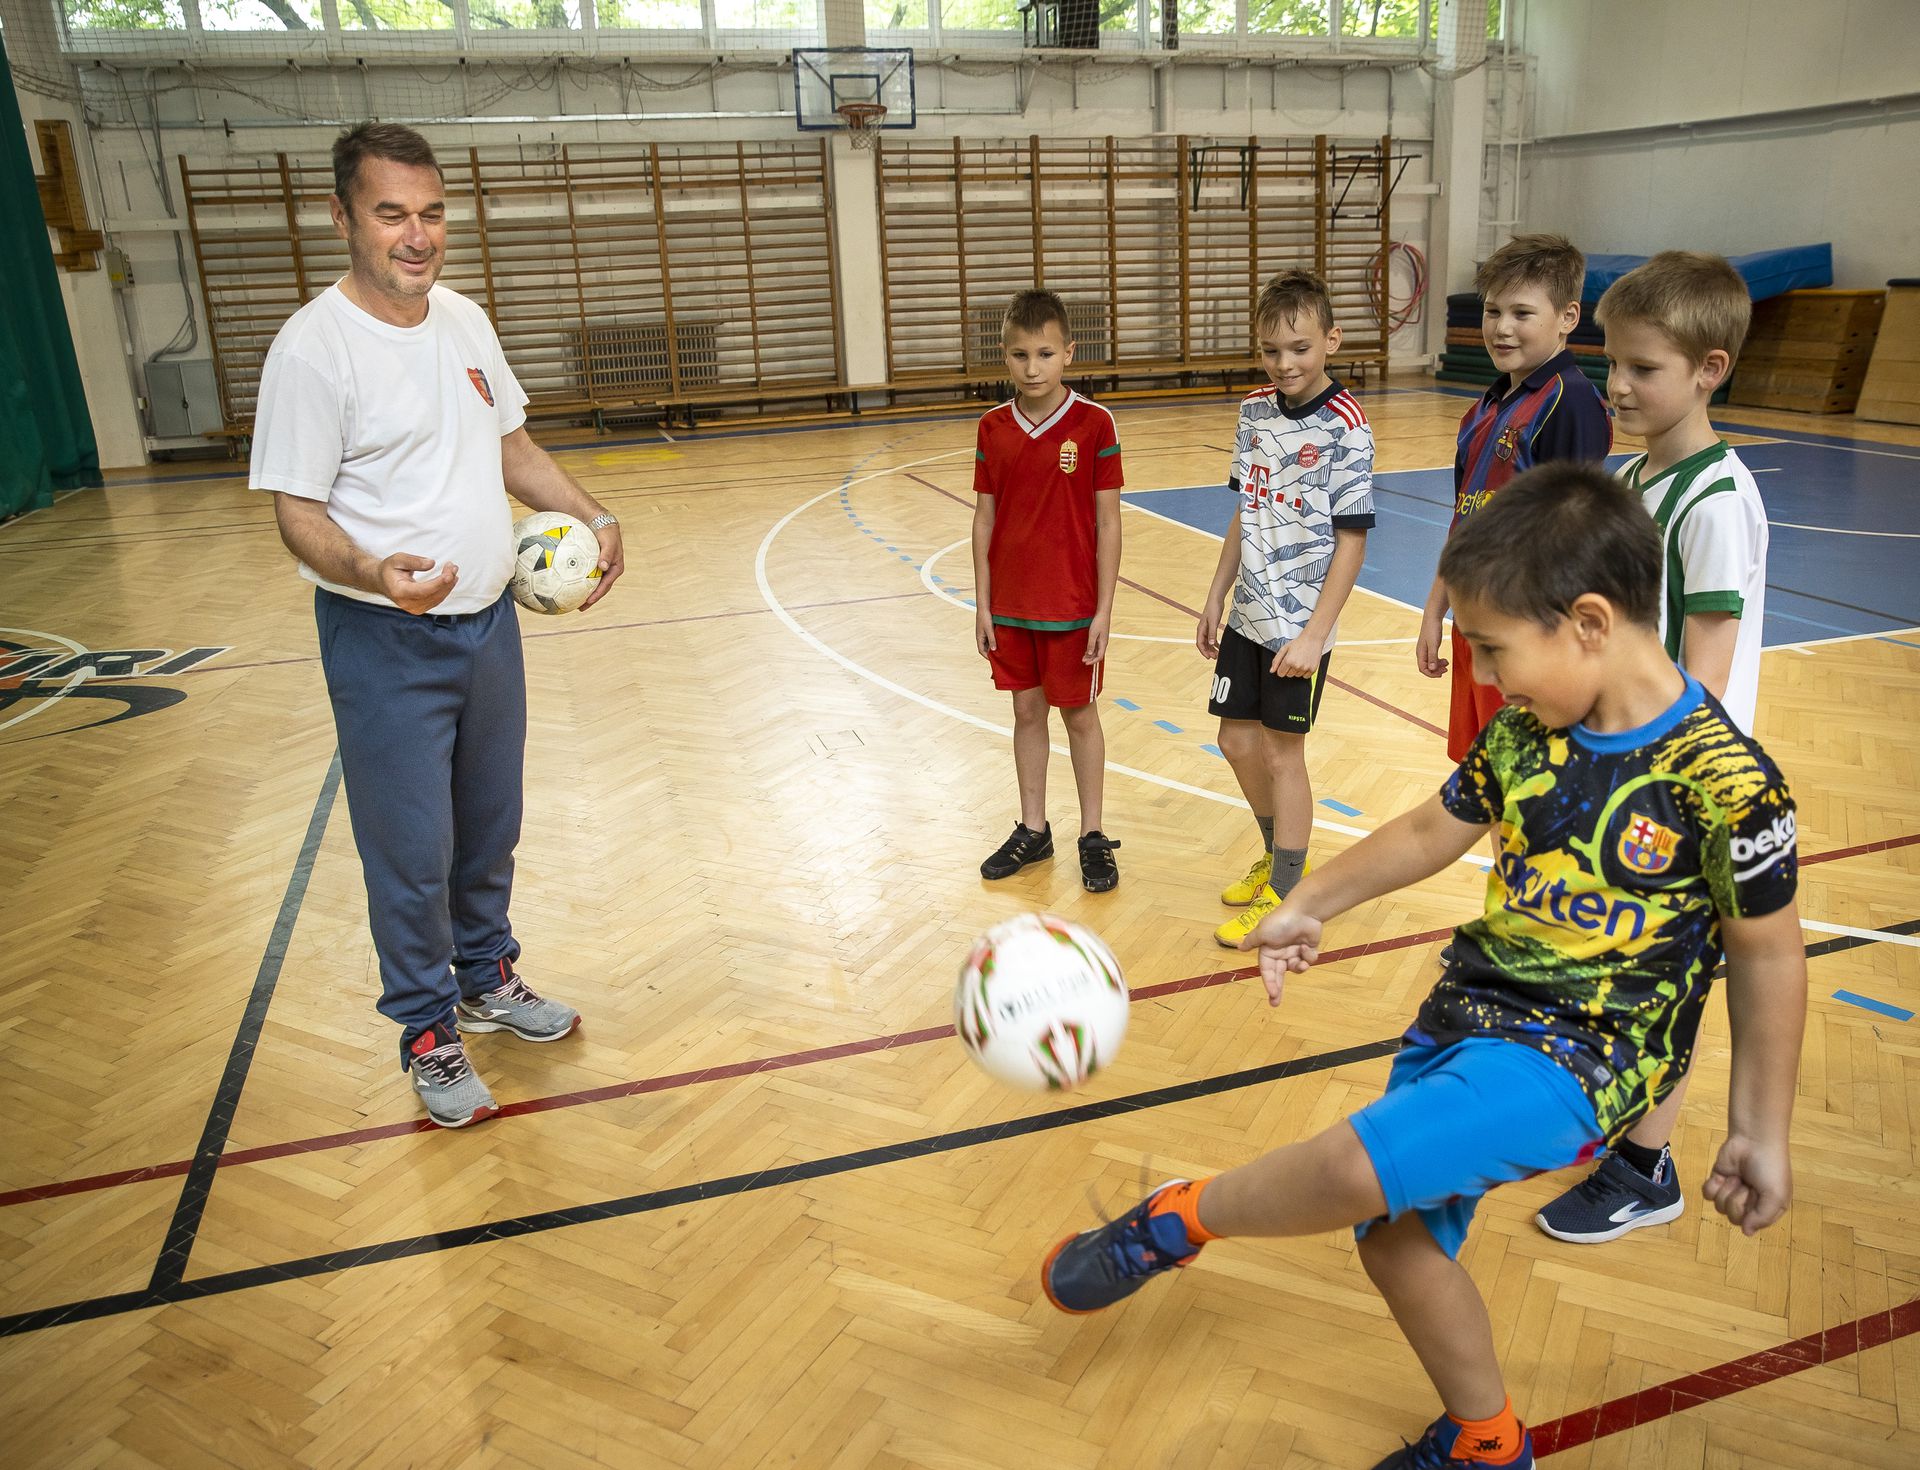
(398, 430)
(1714, 525)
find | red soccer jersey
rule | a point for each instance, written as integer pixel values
(1043, 558)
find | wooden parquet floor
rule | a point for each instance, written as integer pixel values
(760, 1211)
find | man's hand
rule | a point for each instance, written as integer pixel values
(613, 561)
(416, 594)
(1098, 632)
(1300, 659)
(1426, 652)
(983, 636)
(1288, 941)
(1751, 1182)
(1206, 636)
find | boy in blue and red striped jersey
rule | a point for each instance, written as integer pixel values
(1540, 408)
(1046, 558)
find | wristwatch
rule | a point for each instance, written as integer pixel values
(605, 518)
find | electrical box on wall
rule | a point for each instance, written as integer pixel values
(183, 398)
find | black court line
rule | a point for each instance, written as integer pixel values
(662, 1199)
(171, 1266)
(157, 1295)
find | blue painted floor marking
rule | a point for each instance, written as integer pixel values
(1340, 807)
(1868, 1003)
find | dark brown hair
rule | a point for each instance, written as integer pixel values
(1291, 296)
(1554, 534)
(1696, 301)
(1031, 310)
(1551, 262)
(390, 141)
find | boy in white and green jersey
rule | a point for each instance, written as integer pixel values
(1673, 328)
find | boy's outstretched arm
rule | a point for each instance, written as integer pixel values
(1414, 845)
(1767, 1010)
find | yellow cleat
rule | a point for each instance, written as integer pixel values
(1239, 895)
(1229, 934)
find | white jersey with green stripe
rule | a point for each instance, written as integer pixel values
(1714, 526)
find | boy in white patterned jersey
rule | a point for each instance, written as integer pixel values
(1674, 327)
(1303, 472)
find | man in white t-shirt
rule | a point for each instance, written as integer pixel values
(391, 431)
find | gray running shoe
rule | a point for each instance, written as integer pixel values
(452, 1091)
(1613, 1199)
(514, 1007)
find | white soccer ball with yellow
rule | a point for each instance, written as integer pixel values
(1041, 1004)
(556, 561)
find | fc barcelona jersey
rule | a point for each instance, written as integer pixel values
(1619, 855)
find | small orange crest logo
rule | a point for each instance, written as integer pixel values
(1646, 846)
(1069, 457)
(479, 380)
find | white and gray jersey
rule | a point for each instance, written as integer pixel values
(1301, 474)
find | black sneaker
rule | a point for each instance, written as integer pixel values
(1613, 1199)
(1098, 872)
(1024, 846)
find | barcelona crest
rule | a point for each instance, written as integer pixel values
(1646, 846)
(479, 380)
(1069, 457)
(1508, 444)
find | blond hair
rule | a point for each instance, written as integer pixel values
(1697, 301)
(1551, 262)
(1292, 295)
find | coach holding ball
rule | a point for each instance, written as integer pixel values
(390, 431)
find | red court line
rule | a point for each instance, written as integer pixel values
(1885, 845)
(1828, 1345)
(1194, 613)
(648, 1084)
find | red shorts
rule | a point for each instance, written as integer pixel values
(1473, 704)
(1028, 658)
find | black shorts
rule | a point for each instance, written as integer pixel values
(1246, 688)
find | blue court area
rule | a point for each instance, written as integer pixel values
(1844, 555)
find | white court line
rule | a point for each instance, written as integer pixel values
(1878, 936)
(1838, 531)
(1806, 643)
(825, 650)
(1215, 539)
(926, 581)
(78, 677)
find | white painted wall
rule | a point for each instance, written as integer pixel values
(1852, 177)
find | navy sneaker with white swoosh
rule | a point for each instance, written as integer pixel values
(1613, 1199)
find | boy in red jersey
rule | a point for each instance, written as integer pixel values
(1046, 557)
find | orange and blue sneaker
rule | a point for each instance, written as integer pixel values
(1098, 1267)
(1444, 1446)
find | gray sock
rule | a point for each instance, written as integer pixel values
(1287, 865)
(1266, 833)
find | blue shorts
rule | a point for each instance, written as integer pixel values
(1457, 1120)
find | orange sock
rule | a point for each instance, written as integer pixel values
(1184, 1200)
(1494, 1441)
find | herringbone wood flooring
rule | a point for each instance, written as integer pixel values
(741, 847)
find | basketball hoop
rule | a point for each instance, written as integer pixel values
(863, 121)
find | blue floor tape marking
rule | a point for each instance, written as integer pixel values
(1340, 806)
(1869, 1004)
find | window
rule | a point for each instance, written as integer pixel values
(757, 15)
(125, 15)
(523, 15)
(649, 15)
(396, 15)
(980, 15)
(1206, 17)
(884, 16)
(261, 15)
(1287, 17)
(1397, 20)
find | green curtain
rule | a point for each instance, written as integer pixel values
(46, 434)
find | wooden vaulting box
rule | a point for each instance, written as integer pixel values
(1891, 393)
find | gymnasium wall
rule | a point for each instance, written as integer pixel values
(1729, 125)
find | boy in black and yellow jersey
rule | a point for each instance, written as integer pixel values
(1641, 837)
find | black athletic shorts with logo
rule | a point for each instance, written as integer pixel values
(1246, 688)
